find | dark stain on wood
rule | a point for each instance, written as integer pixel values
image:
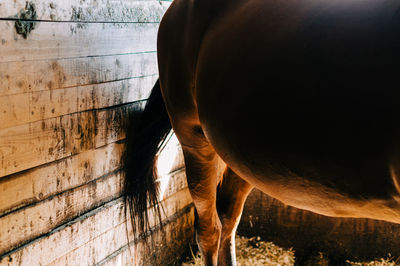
(26, 22)
(59, 76)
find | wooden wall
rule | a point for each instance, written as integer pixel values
(71, 73)
(308, 233)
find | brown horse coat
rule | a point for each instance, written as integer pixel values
(297, 98)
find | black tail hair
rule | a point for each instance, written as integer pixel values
(144, 140)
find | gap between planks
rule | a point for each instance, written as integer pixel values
(19, 77)
(30, 107)
(188, 209)
(113, 213)
(89, 11)
(63, 40)
(30, 145)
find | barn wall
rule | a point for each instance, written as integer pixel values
(71, 73)
(309, 233)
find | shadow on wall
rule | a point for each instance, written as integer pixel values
(308, 233)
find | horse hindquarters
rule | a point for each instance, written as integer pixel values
(180, 36)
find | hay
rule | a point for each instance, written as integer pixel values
(253, 251)
(381, 262)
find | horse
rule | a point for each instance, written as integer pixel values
(299, 99)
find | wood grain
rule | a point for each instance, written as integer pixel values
(76, 234)
(45, 181)
(169, 245)
(33, 144)
(40, 183)
(30, 145)
(54, 40)
(111, 123)
(41, 75)
(67, 93)
(19, 109)
(87, 192)
(90, 10)
(35, 220)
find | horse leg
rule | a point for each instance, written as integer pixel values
(231, 195)
(203, 173)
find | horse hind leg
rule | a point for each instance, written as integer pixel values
(231, 196)
(203, 170)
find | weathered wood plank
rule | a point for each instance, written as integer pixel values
(33, 144)
(42, 182)
(30, 145)
(175, 181)
(19, 109)
(69, 237)
(26, 76)
(54, 40)
(169, 244)
(90, 10)
(354, 239)
(28, 223)
(96, 250)
(170, 158)
(84, 230)
(14, 109)
(111, 124)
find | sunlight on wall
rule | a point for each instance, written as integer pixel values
(165, 162)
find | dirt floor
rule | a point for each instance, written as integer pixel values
(254, 251)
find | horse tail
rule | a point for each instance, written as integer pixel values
(144, 141)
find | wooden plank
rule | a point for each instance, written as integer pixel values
(68, 239)
(23, 147)
(111, 124)
(170, 158)
(97, 252)
(55, 40)
(30, 145)
(88, 191)
(28, 223)
(176, 181)
(25, 76)
(171, 241)
(42, 182)
(14, 109)
(89, 10)
(169, 245)
(19, 109)
(170, 205)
